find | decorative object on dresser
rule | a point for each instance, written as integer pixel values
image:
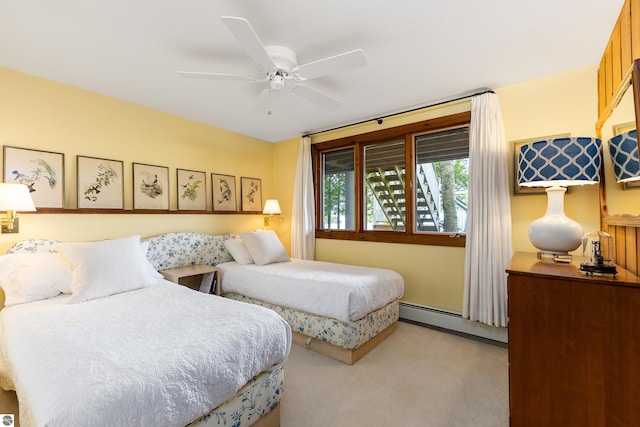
(573, 345)
(598, 253)
(556, 164)
(41, 171)
(13, 198)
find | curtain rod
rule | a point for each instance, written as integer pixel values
(379, 119)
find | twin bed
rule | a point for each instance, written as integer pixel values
(91, 336)
(157, 353)
(340, 310)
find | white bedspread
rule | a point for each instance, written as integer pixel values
(339, 291)
(158, 356)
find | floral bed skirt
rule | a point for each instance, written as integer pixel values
(344, 335)
(255, 399)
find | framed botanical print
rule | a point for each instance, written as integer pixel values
(150, 187)
(224, 192)
(517, 188)
(41, 171)
(251, 193)
(192, 194)
(100, 183)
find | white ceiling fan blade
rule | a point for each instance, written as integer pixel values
(316, 96)
(331, 65)
(249, 41)
(217, 76)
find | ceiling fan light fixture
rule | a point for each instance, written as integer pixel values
(277, 82)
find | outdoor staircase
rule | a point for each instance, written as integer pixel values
(388, 187)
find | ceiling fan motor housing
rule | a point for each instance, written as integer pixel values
(284, 58)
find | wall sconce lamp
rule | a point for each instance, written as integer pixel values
(13, 198)
(624, 154)
(271, 208)
(556, 164)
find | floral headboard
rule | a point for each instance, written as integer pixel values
(165, 251)
(186, 248)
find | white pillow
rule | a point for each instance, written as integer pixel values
(264, 247)
(106, 267)
(238, 251)
(27, 277)
(150, 269)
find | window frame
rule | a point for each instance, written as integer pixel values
(358, 142)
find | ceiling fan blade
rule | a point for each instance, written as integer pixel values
(331, 65)
(217, 76)
(249, 41)
(316, 96)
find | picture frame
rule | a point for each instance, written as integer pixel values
(41, 171)
(517, 188)
(617, 130)
(223, 191)
(150, 187)
(99, 183)
(251, 193)
(192, 190)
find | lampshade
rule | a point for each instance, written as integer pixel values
(557, 163)
(563, 161)
(15, 197)
(624, 154)
(271, 207)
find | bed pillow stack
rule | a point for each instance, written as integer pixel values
(86, 270)
(27, 277)
(257, 247)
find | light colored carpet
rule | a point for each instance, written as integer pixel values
(416, 377)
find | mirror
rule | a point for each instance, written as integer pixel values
(619, 198)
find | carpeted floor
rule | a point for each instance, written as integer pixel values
(416, 377)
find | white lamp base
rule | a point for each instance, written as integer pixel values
(554, 233)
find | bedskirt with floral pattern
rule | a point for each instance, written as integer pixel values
(255, 399)
(344, 335)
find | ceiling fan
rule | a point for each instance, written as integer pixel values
(279, 65)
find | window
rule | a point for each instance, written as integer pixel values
(406, 184)
(338, 195)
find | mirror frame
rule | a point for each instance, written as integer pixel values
(632, 79)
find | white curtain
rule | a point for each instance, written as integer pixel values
(489, 247)
(303, 220)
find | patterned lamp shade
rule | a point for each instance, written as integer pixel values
(560, 161)
(624, 154)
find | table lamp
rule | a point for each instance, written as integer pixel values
(624, 154)
(556, 164)
(14, 198)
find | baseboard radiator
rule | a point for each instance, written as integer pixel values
(450, 320)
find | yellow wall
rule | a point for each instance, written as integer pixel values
(558, 104)
(434, 275)
(40, 114)
(44, 115)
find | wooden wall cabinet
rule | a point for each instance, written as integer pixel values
(574, 345)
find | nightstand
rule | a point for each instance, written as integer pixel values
(185, 276)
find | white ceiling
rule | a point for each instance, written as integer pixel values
(418, 52)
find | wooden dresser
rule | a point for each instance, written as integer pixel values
(574, 345)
